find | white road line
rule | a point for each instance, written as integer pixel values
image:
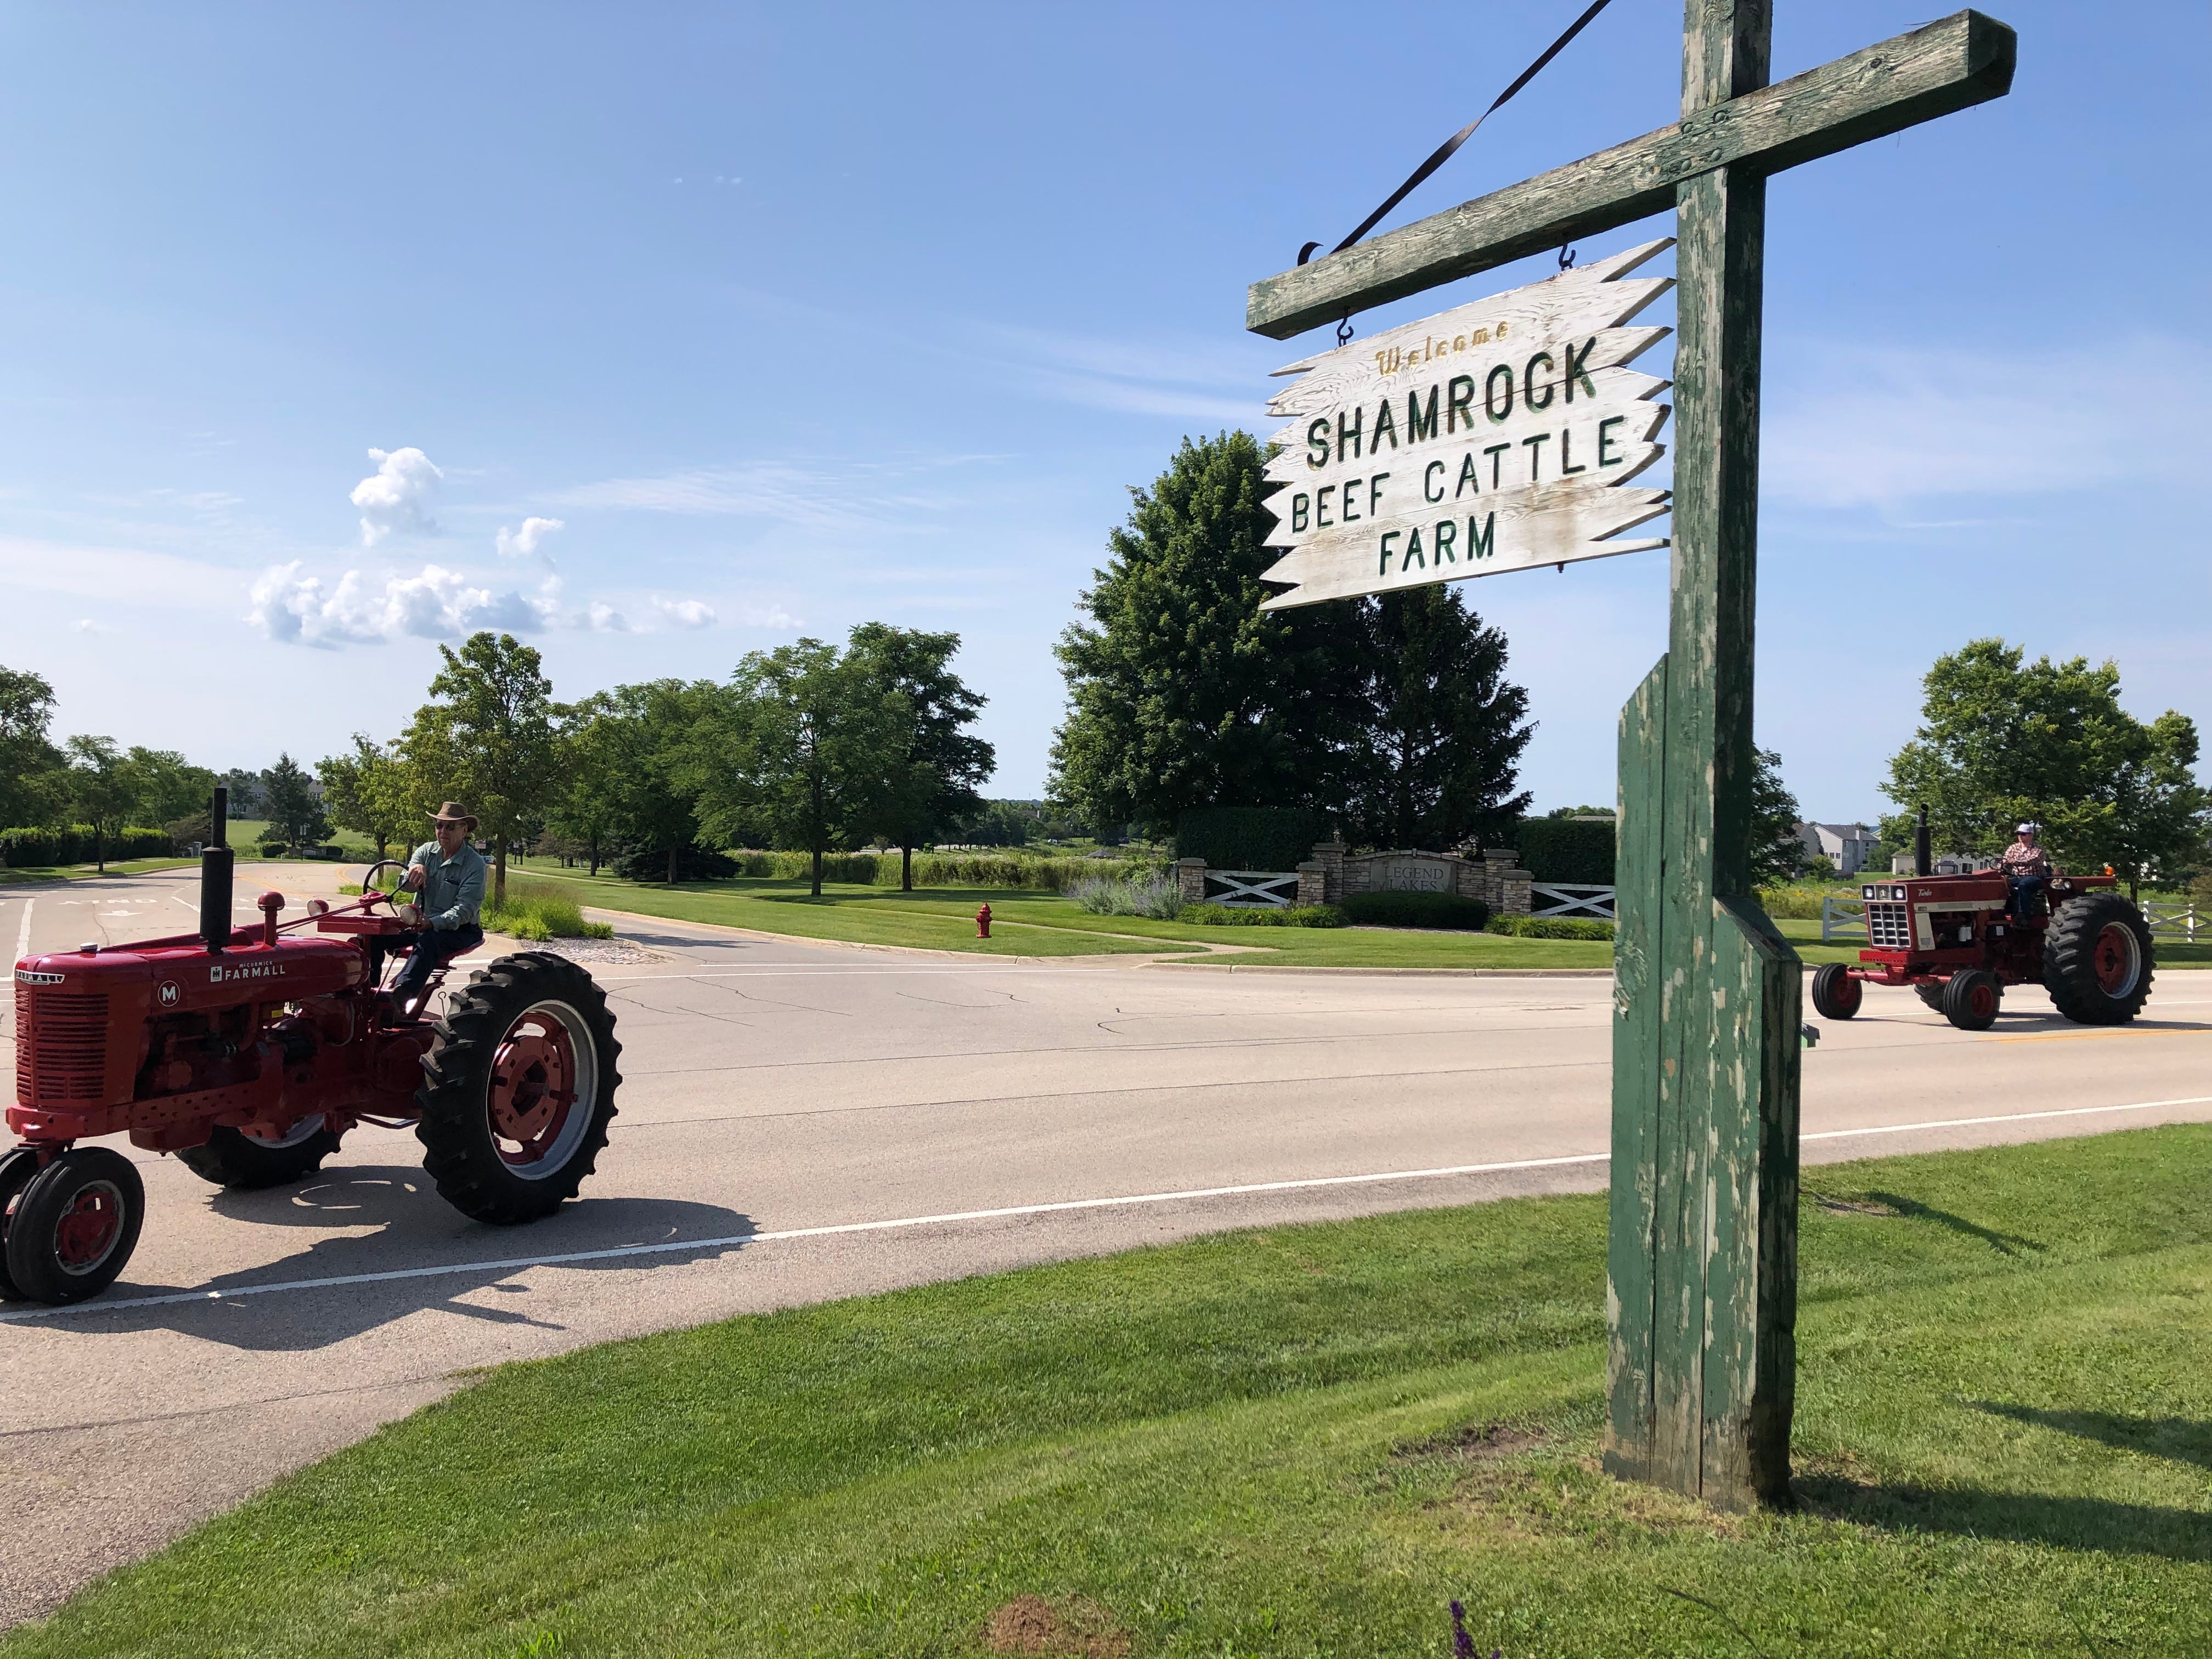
(515, 1264)
(23, 935)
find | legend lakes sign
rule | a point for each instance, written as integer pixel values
(1496, 436)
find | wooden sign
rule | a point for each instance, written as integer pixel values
(1497, 436)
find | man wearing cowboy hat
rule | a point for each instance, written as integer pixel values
(449, 874)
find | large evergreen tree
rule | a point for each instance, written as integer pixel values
(1183, 692)
(1436, 729)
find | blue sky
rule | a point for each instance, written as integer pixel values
(794, 317)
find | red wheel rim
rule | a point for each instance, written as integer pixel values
(1849, 993)
(1982, 1001)
(533, 1085)
(2117, 960)
(89, 1229)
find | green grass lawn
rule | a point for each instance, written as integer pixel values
(1032, 923)
(1299, 1440)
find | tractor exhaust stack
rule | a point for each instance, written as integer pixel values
(1923, 858)
(215, 876)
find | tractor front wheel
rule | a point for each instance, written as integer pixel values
(518, 1088)
(16, 1169)
(242, 1162)
(1836, 994)
(75, 1225)
(2097, 959)
(1970, 998)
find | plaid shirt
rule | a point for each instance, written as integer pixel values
(2022, 860)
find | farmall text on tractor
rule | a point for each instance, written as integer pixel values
(1959, 941)
(249, 1052)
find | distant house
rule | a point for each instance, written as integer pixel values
(1846, 845)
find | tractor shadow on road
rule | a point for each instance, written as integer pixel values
(414, 1229)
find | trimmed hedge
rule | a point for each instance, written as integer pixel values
(1549, 928)
(1566, 849)
(1256, 916)
(1266, 838)
(1453, 912)
(24, 848)
(944, 869)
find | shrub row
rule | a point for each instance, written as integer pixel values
(1271, 838)
(1151, 893)
(1566, 849)
(1549, 928)
(1455, 912)
(538, 911)
(939, 869)
(21, 848)
(1256, 916)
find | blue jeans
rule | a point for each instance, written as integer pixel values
(432, 949)
(2027, 898)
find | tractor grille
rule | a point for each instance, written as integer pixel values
(61, 1046)
(1889, 926)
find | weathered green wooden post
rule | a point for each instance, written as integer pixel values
(1702, 1259)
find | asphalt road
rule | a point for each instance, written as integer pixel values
(800, 1122)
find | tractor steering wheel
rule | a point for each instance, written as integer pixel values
(368, 887)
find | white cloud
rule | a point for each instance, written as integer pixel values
(685, 613)
(398, 495)
(295, 609)
(86, 625)
(602, 618)
(523, 543)
(1862, 427)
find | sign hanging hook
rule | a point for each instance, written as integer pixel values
(1566, 256)
(1344, 329)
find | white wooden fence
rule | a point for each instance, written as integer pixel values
(1252, 889)
(1586, 900)
(1842, 918)
(2182, 922)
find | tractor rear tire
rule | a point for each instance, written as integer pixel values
(518, 1088)
(1836, 994)
(16, 1169)
(75, 1225)
(2097, 959)
(242, 1163)
(1970, 999)
(1930, 993)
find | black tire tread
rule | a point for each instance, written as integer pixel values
(31, 1266)
(1826, 979)
(1931, 996)
(237, 1161)
(2069, 971)
(457, 1152)
(1958, 987)
(16, 1169)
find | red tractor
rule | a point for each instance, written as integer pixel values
(1957, 941)
(249, 1054)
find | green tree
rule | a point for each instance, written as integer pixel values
(800, 745)
(369, 792)
(296, 817)
(657, 763)
(1778, 853)
(2004, 741)
(486, 740)
(100, 788)
(593, 760)
(169, 787)
(1429, 750)
(933, 783)
(1181, 692)
(33, 778)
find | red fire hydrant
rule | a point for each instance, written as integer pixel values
(983, 923)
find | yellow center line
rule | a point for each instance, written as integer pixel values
(2094, 1037)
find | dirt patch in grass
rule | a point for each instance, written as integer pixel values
(1076, 1628)
(1473, 1441)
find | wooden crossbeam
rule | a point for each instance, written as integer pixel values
(1951, 65)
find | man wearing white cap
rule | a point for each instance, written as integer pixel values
(2028, 867)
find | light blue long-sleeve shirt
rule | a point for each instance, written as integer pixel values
(452, 888)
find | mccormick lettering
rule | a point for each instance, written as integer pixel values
(220, 973)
